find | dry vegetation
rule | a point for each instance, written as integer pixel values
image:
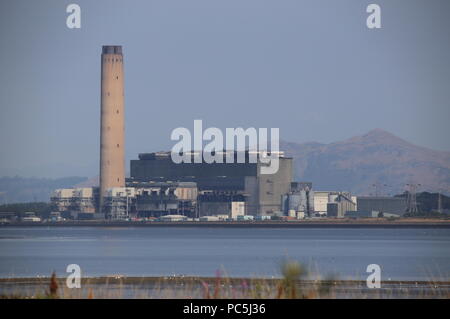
(292, 285)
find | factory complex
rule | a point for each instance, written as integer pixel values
(160, 188)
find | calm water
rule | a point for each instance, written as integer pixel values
(403, 254)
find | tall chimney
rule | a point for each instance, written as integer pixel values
(112, 128)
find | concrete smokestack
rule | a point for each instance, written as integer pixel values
(112, 127)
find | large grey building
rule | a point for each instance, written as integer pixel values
(263, 192)
(385, 204)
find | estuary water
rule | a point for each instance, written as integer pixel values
(403, 254)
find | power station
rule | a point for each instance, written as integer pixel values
(160, 188)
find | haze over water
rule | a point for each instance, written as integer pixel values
(403, 254)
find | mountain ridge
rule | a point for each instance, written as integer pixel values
(377, 157)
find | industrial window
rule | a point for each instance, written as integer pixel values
(118, 179)
(108, 130)
(117, 145)
(117, 111)
(117, 77)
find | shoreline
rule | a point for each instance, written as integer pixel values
(133, 280)
(129, 280)
(346, 223)
(188, 287)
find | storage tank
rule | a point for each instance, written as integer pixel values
(294, 201)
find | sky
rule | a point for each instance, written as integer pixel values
(311, 68)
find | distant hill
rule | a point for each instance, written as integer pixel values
(377, 157)
(21, 190)
(91, 182)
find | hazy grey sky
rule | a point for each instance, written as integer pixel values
(311, 68)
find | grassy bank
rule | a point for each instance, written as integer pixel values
(292, 285)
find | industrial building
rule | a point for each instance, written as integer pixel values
(119, 202)
(156, 199)
(366, 214)
(215, 203)
(79, 203)
(339, 204)
(299, 201)
(323, 198)
(384, 204)
(141, 200)
(262, 192)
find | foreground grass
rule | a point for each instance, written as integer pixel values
(292, 285)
